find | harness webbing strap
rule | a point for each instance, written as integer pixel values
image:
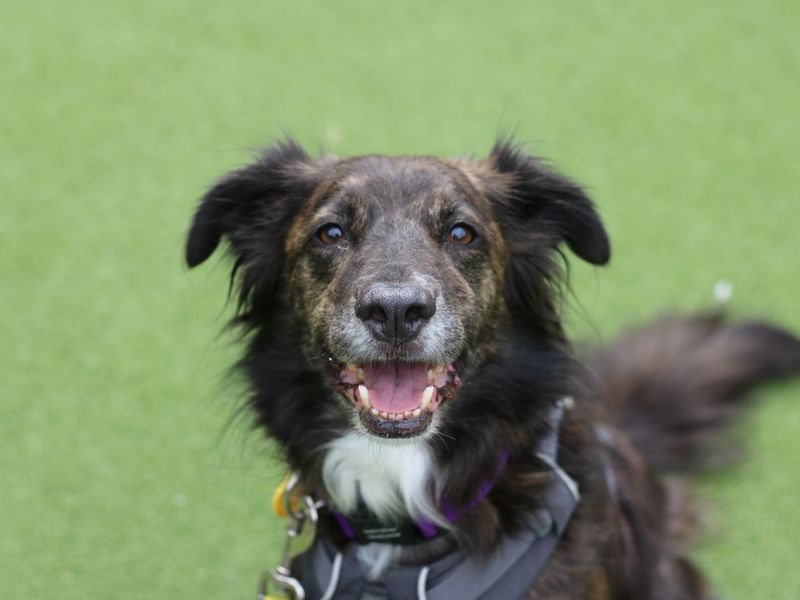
(507, 574)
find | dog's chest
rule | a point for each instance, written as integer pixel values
(393, 478)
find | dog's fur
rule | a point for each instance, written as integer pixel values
(652, 403)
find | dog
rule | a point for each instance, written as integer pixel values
(404, 348)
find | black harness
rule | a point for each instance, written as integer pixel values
(332, 574)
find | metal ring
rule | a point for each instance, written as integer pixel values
(311, 509)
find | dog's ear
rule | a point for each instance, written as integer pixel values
(544, 206)
(261, 197)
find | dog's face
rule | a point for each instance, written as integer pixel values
(396, 272)
(394, 267)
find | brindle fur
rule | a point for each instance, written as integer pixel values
(660, 395)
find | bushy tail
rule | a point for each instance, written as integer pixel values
(673, 385)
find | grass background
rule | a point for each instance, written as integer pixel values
(118, 475)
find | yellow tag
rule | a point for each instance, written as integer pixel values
(279, 498)
(274, 597)
(278, 503)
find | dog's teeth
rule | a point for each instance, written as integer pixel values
(417, 412)
(374, 412)
(363, 393)
(360, 374)
(408, 414)
(431, 376)
(384, 414)
(397, 416)
(427, 396)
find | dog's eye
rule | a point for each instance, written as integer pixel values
(330, 234)
(462, 234)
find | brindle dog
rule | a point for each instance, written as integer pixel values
(403, 311)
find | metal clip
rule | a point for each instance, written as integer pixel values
(299, 538)
(290, 588)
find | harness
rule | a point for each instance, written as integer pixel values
(330, 573)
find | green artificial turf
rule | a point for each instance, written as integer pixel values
(120, 473)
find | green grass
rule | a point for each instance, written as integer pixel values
(118, 476)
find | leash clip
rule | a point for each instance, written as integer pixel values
(302, 512)
(289, 587)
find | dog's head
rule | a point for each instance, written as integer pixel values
(396, 276)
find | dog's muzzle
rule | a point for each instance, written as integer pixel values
(395, 313)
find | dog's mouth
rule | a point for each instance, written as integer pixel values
(396, 399)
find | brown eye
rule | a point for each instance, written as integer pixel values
(330, 234)
(462, 234)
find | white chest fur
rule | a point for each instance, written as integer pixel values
(394, 478)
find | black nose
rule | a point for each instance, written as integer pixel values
(395, 313)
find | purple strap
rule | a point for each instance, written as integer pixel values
(454, 513)
(344, 524)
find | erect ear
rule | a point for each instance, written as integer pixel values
(262, 195)
(539, 202)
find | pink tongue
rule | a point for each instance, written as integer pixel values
(396, 387)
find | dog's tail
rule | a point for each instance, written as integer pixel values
(672, 386)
